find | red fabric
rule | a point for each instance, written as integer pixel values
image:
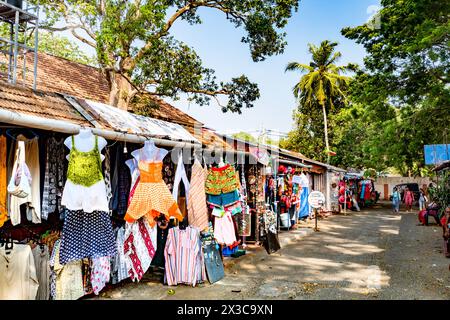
(220, 169)
(422, 216)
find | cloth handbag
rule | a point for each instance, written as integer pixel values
(20, 182)
(213, 262)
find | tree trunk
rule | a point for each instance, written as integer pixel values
(120, 93)
(325, 125)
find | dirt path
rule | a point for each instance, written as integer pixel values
(368, 255)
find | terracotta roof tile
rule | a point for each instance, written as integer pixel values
(45, 105)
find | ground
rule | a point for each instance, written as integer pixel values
(372, 254)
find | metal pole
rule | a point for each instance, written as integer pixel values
(345, 197)
(11, 53)
(36, 45)
(16, 47)
(316, 216)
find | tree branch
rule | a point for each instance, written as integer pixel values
(90, 43)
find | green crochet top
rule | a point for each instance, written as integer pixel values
(85, 168)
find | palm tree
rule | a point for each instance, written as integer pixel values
(323, 83)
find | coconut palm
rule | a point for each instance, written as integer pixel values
(323, 84)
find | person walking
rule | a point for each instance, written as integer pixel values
(422, 200)
(408, 199)
(395, 201)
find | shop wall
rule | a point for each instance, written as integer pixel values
(385, 185)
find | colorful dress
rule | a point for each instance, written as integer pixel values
(152, 197)
(197, 209)
(409, 198)
(87, 230)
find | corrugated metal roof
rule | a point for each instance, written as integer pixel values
(123, 121)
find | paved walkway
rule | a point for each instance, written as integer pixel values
(367, 255)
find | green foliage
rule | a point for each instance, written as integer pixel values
(132, 38)
(440, 193)
(321, 90)
(404, 86)
(244, 136)
(56, 45)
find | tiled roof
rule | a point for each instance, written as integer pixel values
(60, 75)
(44, 105)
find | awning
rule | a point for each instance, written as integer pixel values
(130, 123)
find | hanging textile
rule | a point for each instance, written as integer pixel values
(109, 194)
(30, 147)
(41, 258)
(184, 257)
(119, 270)
(224, 232)
(100, 274)
(18, 278)
(121, 183)
(197, 209)
(53, 177)
(3, 181)
(139, 248)
(304, 205)
(152, 197)
(87, 230)
(180, 174)
(67, 279)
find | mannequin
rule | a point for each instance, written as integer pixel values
(149, 153)
(85, 141)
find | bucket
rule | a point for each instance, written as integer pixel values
(285, 220)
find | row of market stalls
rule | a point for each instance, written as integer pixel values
(91, 195)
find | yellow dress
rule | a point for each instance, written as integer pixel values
(152, 197)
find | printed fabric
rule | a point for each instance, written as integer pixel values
(53, 177)
(197, 209)
(184, 257)
(87, 235)
(152, 197)
(138, 248)
(221, 180)
(109, 194)
(3, 180)
(119, 270)
(100, 275)
(121, 184)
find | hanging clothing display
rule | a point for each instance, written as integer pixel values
(222, 186)
(152, 197)
(41, 257)
(180, 174)
(68, 279)
(87, 230)
(213, 260)
(18, 278)
(184, 257)
(268, 231)
(85, 187)
(304, 204)
(54, 177)
(119, 270)
(100, 273)
(3, 180)
(224, 232)
(197, 209)
(30, 147)
(87, 235)
(159, 260)
(121, 184)
(139, 248)
(107, 175)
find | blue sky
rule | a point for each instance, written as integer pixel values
(218, 44)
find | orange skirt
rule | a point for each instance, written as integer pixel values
(150, 200)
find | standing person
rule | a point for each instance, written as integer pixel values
(408, 199)
(396, 200)
(422, 200)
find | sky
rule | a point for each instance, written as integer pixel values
(218, 44)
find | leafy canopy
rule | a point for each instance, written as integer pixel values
(133, 39)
